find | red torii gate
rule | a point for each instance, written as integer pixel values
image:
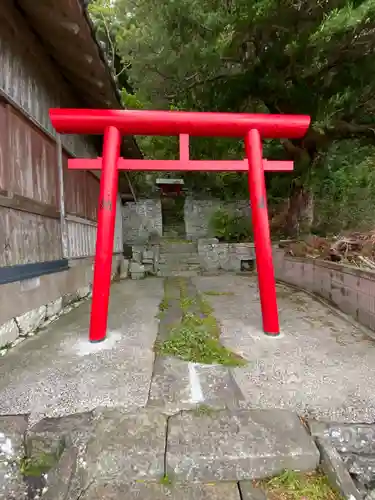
(114, 123)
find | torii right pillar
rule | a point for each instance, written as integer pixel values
(261, 230)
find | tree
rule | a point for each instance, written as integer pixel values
(288, 56)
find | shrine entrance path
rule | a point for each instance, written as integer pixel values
(58, 372)
(322, 365)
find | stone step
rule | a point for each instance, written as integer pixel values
(179, 267)
(176, 273)
(153, 491)
(174, 263)
(189, 252)
(119, 454)
(172, 387)
(186, 258)
(254, 444)
(177, 247)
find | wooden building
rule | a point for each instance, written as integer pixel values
(49, 57)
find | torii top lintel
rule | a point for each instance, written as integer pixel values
(142, 122)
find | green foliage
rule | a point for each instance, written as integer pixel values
(203, 410)
(166, 480)
(196, 340)
(292, 485)
(345, 188)
(36, 466)
(256, 56)
(196, 337)
(230, 227)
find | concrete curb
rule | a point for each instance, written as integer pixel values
(333, 309)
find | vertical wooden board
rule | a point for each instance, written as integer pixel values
(5, 247)
(44, 165)
(82, 239)
(70, 191)
(32, 163)
(37, 165)
(49, 239)
(75, 191)
(93, 188)
(3, 146)
(28, 238)
(22, 236)
(20, 161)
(52, 177)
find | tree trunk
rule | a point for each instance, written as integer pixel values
(300, 214)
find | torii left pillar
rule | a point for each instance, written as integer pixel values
(105, 234)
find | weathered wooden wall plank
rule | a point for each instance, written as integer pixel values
(29, 78)
(3, 146)
(30, 223)
(26, 238)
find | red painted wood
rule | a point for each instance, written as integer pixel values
(144, 122)
(105, 235)
(262, 238)
(113, 123)
(178, 165)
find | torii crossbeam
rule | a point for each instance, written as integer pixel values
(113, 123)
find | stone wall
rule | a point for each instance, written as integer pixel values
(215, 256)
(350, 289)
(140, 219)
(27, 305)
(198, 213)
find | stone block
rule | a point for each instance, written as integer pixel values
(253, 444)
(362, 467)
(137, 270)
(126, 445)
(61, 476)
(171, 387)
(137, 256)
(346, 438)
(154, 491)
(148, 256)
(124, 269)
(52, 436)
(335, 470)
(69, 298)
(203, 242)
(149, 268)
(83, 292)
(233, 263)
(9, 332)
(54, 308)
(249, 492)
(12, 430)
(31, 320)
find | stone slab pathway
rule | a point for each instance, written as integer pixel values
(59, 372)
(321, 365)
(127, 425)
(111, 452)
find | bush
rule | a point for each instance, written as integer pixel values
(229, 227)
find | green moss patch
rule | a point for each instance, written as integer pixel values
(36, 466)
(196, 337)
(299, 486)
